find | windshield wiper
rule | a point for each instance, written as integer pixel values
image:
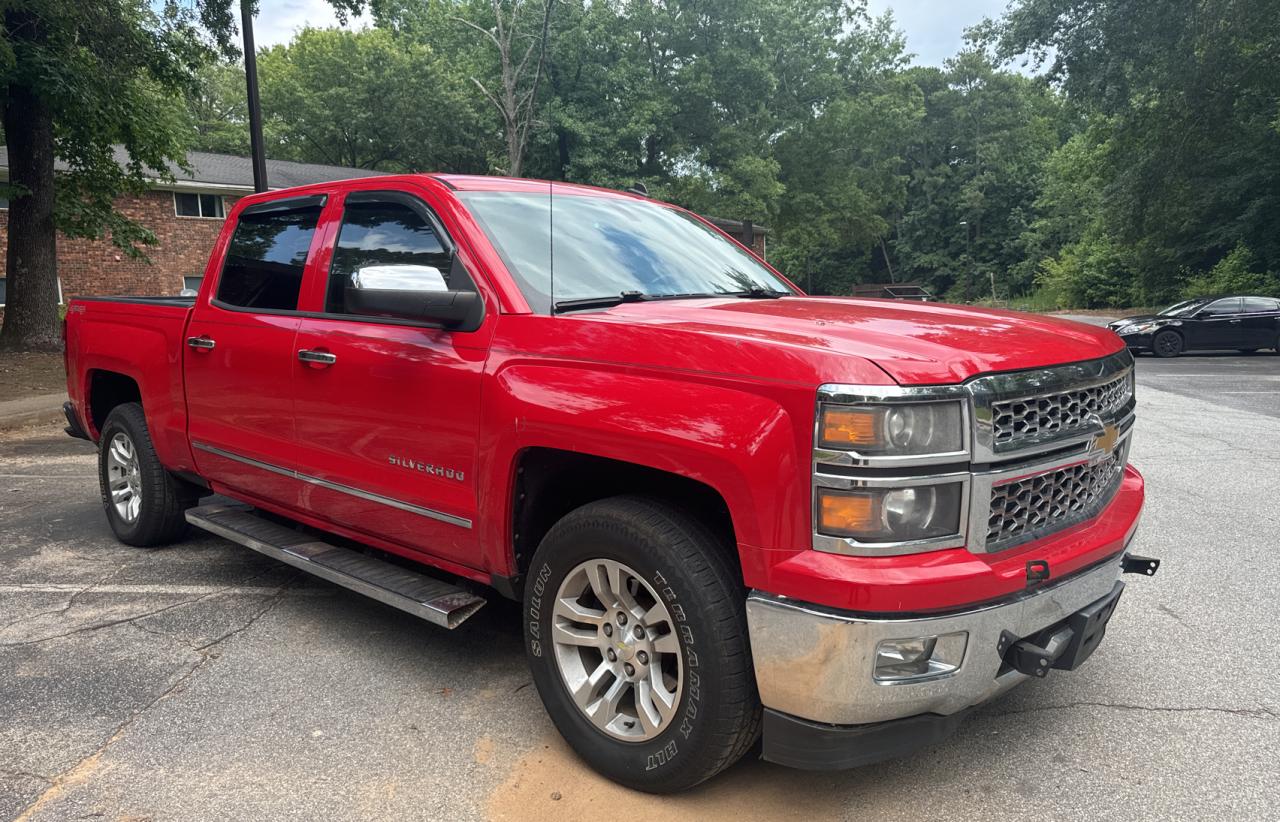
(754, 293)
(601, 302)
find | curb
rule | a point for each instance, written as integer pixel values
(26, 419)
(32, 411)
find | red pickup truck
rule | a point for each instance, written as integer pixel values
(731, 511)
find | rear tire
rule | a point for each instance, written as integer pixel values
(1167, 344)
(684, 604)
(144, 504)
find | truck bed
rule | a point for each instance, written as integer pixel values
(142, 339)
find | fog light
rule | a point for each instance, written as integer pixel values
(903, 660)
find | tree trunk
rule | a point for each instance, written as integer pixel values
(31, 310)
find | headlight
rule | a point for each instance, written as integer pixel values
(898, 429)
(891, 514)
(1138, 328)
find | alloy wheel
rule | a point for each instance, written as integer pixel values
(617, 651)
(124, 477)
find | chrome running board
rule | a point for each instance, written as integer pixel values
(434, 600)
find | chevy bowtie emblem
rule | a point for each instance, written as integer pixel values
(1106, 441)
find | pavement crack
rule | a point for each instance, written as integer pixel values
(266, 609)
(1251, 713)
(133, 619)
(67, 606)
(27, 775)
(85, 768)
(97, 626)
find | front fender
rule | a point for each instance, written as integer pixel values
(743, 439)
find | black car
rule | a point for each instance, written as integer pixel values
(1244, 323)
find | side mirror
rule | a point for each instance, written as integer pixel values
(409, 292)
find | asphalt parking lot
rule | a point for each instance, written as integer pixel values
(202, 681)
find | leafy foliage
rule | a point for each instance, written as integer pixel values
(1142, 164)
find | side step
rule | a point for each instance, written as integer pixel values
(434, 600)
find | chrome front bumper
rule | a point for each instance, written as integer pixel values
(817, 664)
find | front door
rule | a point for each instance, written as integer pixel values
(1217, 325)
(239, 353)
(387, 411)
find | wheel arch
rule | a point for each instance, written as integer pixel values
(551, 482)
(105, 391)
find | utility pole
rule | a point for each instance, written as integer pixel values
(256, 150)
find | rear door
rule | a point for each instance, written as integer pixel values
(1217, 325)
(386, 410)
(239, 352)
(1261, 322)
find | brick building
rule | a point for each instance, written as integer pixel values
(186, 216)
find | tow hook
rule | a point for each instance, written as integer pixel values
(1134, 564)
(1065, 645)
(1025, 656)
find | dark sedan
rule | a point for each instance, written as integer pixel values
(1244, 323)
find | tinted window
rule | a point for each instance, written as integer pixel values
(1230, 305)
(397, 241)
(1252, 304)
(266, 258)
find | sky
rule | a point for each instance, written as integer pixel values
(935, 28)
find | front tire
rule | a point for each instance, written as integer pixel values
(636, 634)
(144, 504)
(1167, 344)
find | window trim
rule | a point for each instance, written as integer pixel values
(286, 204)
(222, 202)
(424, 210)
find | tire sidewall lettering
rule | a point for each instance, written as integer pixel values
(537, 591)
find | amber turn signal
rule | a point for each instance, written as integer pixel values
(847, 513)
(853, 428)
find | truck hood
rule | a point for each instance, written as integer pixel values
(914, 343)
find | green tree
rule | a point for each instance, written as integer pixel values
(369, 99)
(976, 165)
(218, 109)
(90, 83)
(1183, 98)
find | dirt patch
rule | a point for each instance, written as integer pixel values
(550, 782)
(26, 375)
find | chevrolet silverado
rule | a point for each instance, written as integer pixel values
(733, 513)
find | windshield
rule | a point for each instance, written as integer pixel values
(1182, 308)
(603, 247)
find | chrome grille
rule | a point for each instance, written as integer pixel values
(1038, 417)
(1031, 507)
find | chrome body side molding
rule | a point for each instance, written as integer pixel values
(461, 522)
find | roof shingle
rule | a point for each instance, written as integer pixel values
(233, 170)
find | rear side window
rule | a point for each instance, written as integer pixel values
(1260, 304)
(266, 259)
(393, 240)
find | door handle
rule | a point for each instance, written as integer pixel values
(200, 343)
(1234, 322)
(317, 357)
